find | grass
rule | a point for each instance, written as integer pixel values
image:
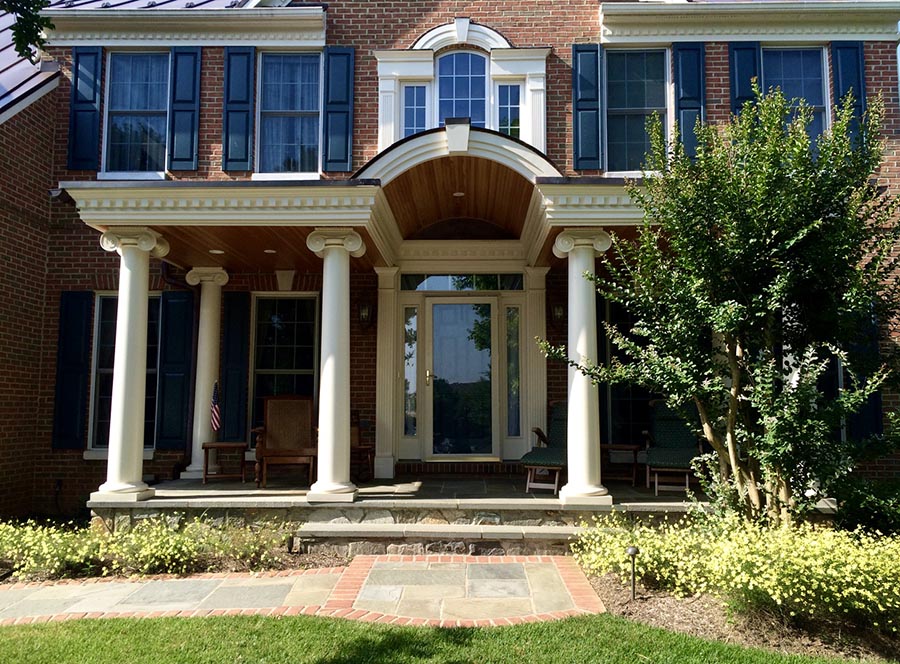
(596, 639)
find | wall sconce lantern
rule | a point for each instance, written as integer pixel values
(557, 314)
(366, 314)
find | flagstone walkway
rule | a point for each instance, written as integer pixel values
(438, 591)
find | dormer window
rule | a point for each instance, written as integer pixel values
(495, 85)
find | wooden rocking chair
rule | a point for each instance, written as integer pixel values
(286, 438)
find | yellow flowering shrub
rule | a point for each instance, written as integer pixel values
(807, 570)
(156, 545)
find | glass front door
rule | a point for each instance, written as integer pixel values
(461, 378)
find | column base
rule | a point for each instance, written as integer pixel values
(134, 494)
(332, 492)
(585, 495)
(384, 467)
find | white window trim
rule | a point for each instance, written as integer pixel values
(97, 453)
(670, 104)
(104, 174)
(495, 94)
(298, 175)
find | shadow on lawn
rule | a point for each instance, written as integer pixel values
(400, 645)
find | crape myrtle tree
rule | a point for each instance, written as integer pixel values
(29, 25)
(765, 265)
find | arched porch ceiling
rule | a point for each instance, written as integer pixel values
(459, 198)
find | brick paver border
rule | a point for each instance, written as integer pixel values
(340, 602)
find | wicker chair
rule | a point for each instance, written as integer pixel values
(287, 436)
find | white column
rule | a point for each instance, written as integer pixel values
(334, 246)
(210, 280)
(386, 371)
(126, 427)
(581, 247)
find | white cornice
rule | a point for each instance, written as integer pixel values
(100, 206)
(232, 27)
(589, 204)
(475, 255)
(643, 22)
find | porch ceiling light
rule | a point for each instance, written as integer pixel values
(459, 194)
(217, 252)
(269, 251)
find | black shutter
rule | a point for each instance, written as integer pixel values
(587, 86)
(235, 365)
(744, 65)
(237, 111)
(184, 108)
(173, 381)
(84, 111)
(690, 91)
(73, 370)
(338, 130)
(848, 65)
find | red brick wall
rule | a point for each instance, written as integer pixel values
(39, 233)
(26, 142)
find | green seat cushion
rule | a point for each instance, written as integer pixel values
(666, 457)
(548, 457)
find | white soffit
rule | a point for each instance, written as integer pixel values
(824, 20)
(297, 26)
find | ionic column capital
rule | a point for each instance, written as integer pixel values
(573, 238)
(344, 238)
(214, 275)
(145, 239)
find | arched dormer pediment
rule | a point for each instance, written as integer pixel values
(461, 32)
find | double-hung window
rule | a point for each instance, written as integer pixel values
(635, 89)
(415, 109)
(289, 111)
(104, 355)
(509, 109)
(799, 72)
(137, 112)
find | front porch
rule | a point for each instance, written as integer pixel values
(437, 514)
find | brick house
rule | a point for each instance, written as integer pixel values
(329, 200)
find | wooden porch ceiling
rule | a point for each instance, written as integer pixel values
(245, 248)
(459, 198)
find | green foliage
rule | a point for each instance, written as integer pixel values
(871, 505)
(29, 25)
(807, 571)
(152, 546)
(761, 264)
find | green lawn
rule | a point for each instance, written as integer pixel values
(595, 639)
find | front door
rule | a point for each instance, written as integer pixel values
(461, 379)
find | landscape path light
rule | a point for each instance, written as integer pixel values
(632, 551)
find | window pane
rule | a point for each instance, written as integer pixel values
(513, 377)
(410, 345)
(799, 74)
(103, 376)
(413, 109)
(462, 88)
(138, 102)
(636, 88)
(509, 110)
(284, 353)
(289, 114)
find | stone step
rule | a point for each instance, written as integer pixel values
(418, 538)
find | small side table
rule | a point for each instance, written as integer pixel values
(634, 449)
(231, 447)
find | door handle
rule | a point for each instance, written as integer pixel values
(428, 376)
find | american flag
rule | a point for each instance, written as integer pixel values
(215, 415)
